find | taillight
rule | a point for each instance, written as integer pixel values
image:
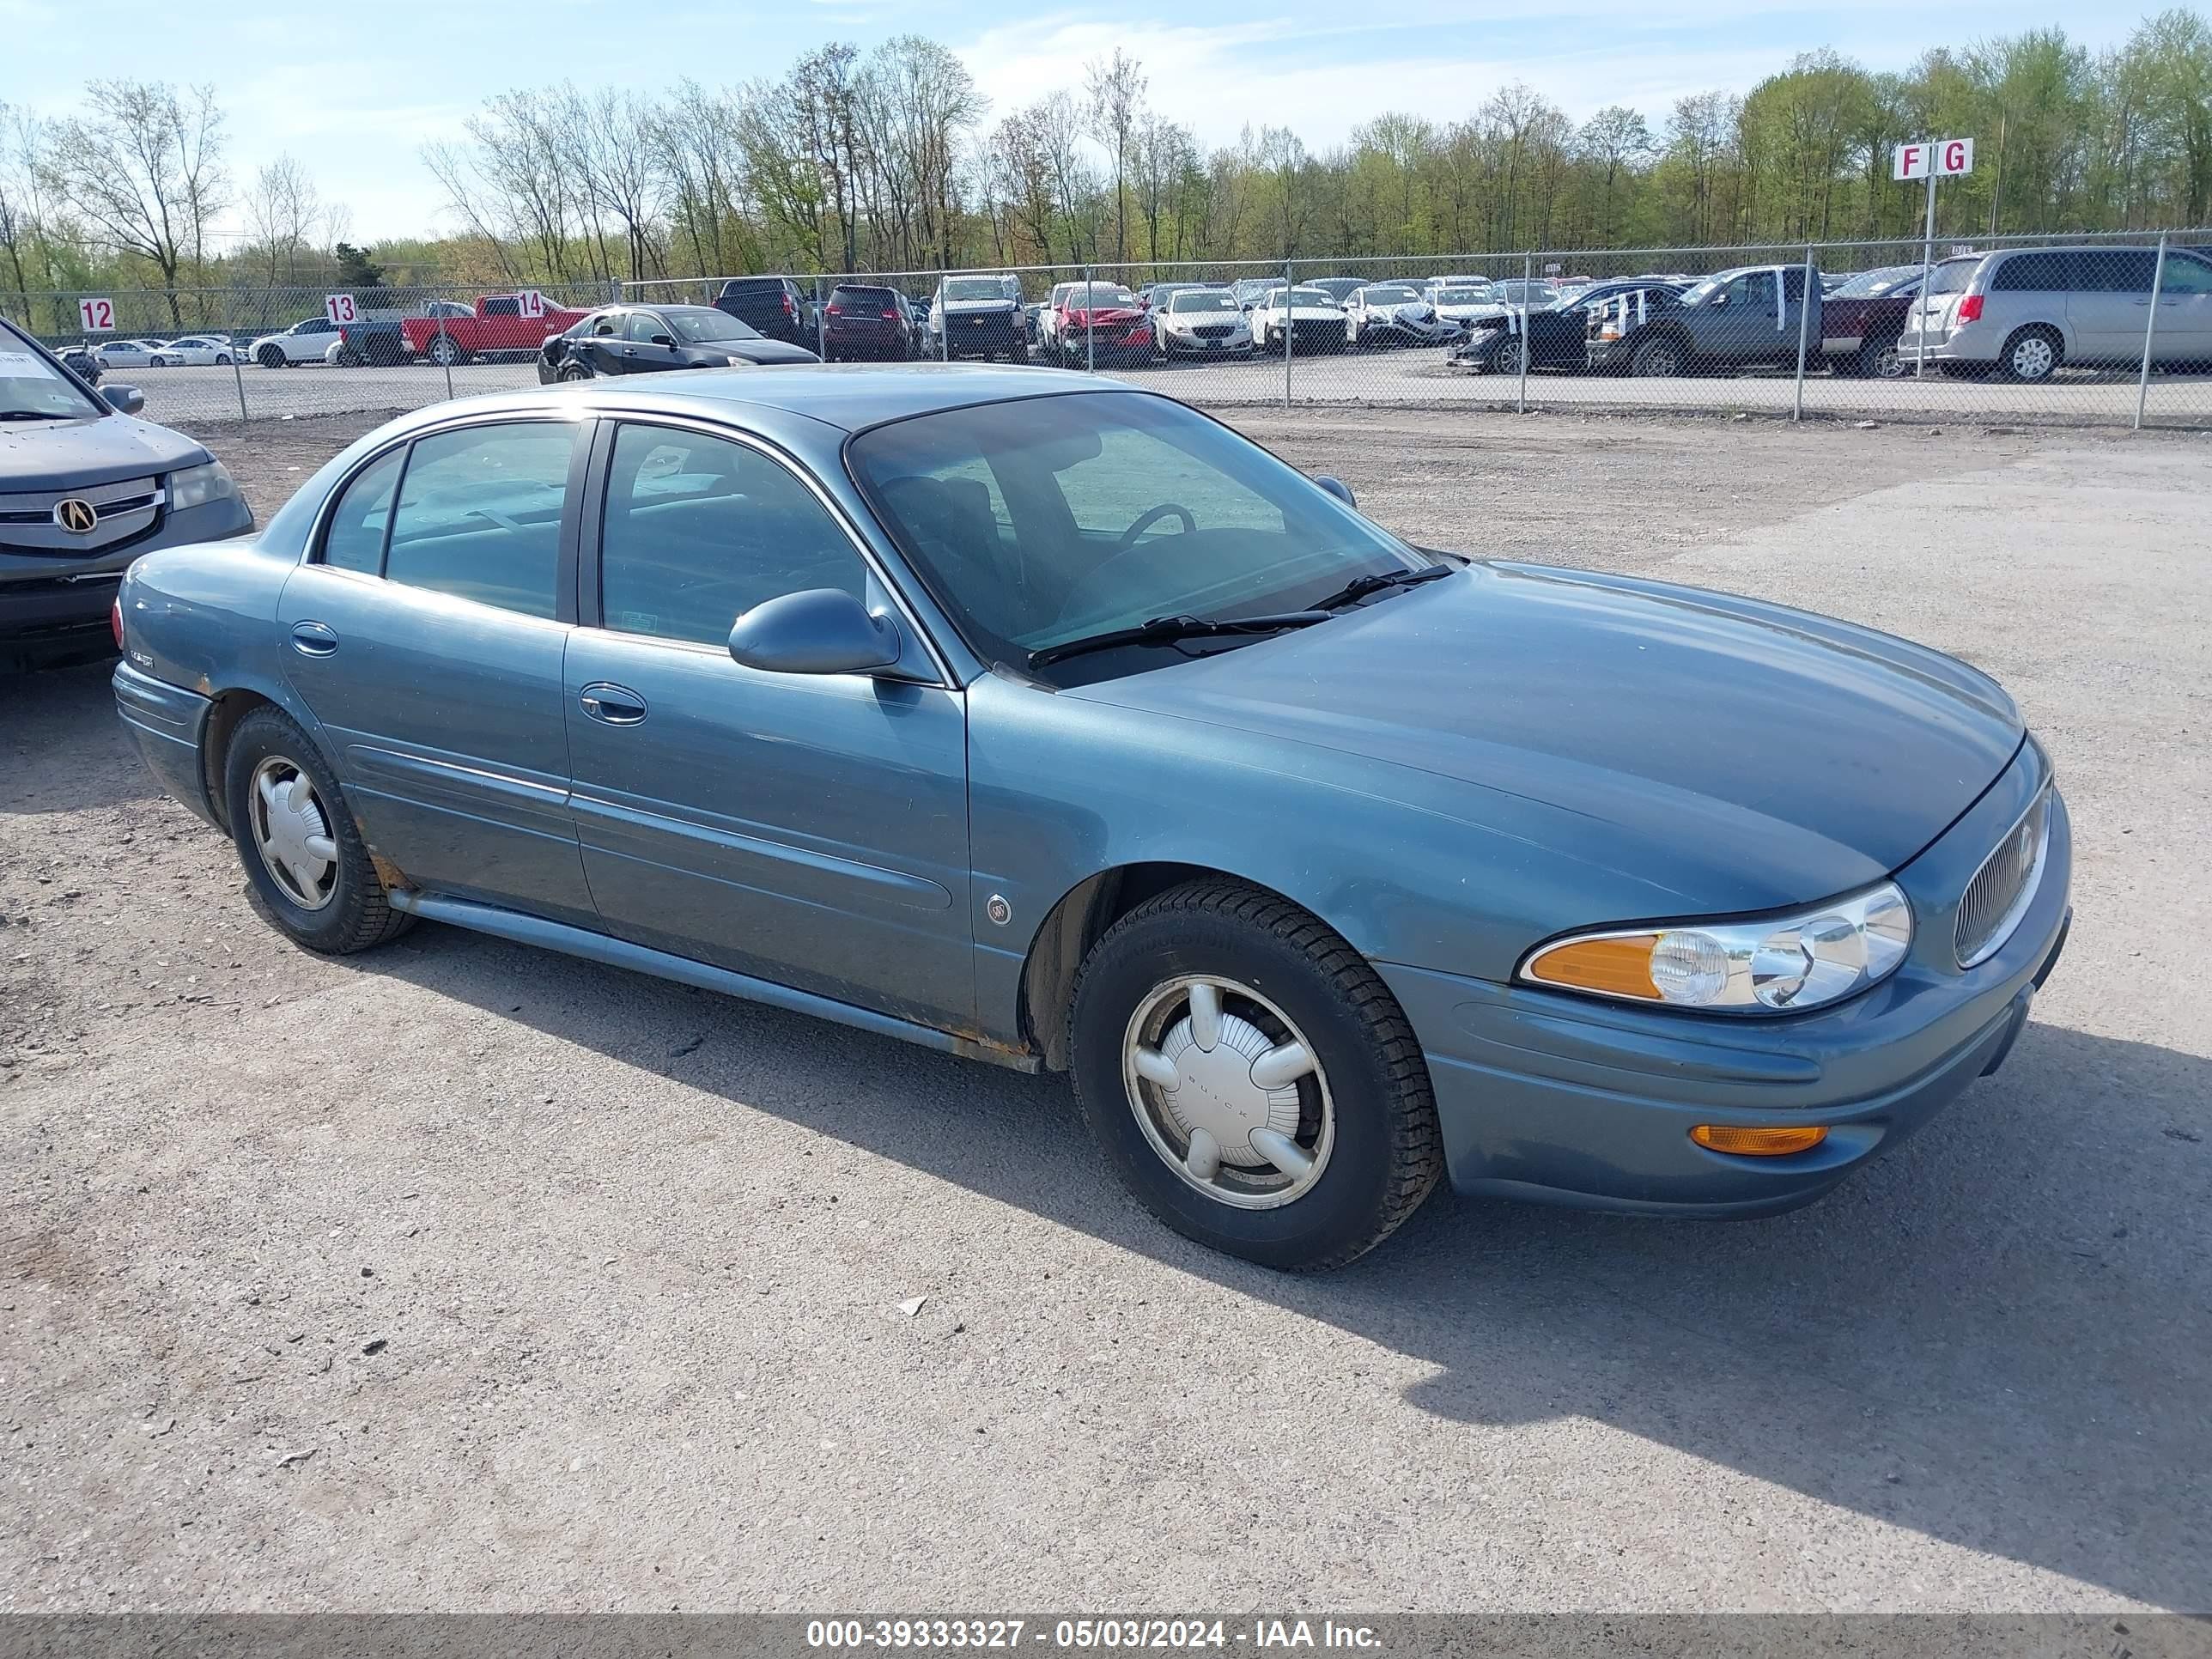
(833, 309)
(115, 619)
(893, 315)
(789, 309)
(1970, 309)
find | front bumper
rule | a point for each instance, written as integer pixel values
(51, 608)
(1546, 1095)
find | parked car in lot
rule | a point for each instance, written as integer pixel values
(1337, 287)
(1201, 322)
(980, 317)
(81, 363)
(125, 353)
(1309, 318)
(1100, 323)
(1746, 317)
(1557, 337)
(1862, 316)
(308, 340)
(1049, 722)
(776, 308)
(647, 339)
(192, 351)
(85, 487)
(866, 323)
(495, 328)
(1464, 305)
(378, 339)
(1395, 314)
(2021, 313)
(1248, 289)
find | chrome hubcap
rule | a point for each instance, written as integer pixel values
(1228, 1092)
(292, 833)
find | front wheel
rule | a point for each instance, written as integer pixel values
(575, 372)
(1250, 1078)
(1662, 358)
(269, 357)
(297, 840)
(1505, 357)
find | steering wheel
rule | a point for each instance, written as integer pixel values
(1152, 516)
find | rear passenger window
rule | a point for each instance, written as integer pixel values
(698, 529)
(2031, 273)
(354, 540)
(479, 515)
(2186, 276)
(2116, 272)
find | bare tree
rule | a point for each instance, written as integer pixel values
(284, 211)
(144, 171)
(1115, 90)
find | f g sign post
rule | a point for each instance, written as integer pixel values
(1940, 158)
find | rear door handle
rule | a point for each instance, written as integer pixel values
(313, 638)
(611, 705)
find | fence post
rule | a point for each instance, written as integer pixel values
(944, 322)
(442, 334)
(1090, 323)
(2150, 331)
(820, 320)
(1527, 277)
(1289, 325)
(237, 372)
(1804, 322)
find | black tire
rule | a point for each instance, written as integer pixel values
(356, 915)
(1388, 1151)
(2041, 365)
(269, 357)
(1662, 358)
(446, 352)
(575, 372)
(1505, 355)
(222, 359)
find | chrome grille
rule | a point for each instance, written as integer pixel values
(1214, 330)
(1999, 893)
(126, 508)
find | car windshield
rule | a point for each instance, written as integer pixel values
(1465, 296)
(1303, 296)
(975, 288)
(1201, 299)
(1098, 295)
(1873, 284)
(702, 323)
(1390, 293)
(1042, 520)
(31, 388)
(1524, 293)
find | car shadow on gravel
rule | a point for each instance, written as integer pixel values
(62, 749)
(1996, 1337)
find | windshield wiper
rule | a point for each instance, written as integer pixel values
(1375, 582)
(33, 415)
(1170, 630)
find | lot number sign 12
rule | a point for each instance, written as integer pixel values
(98, 316)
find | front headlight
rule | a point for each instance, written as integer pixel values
(1782, 964)
(196, 486)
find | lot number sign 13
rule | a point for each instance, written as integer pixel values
(341, 310)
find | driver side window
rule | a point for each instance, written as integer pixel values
(643, 327)
(1134, 472)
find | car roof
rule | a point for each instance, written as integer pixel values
(848, 397)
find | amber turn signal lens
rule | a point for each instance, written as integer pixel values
(1618, 967)
(1758, 1143)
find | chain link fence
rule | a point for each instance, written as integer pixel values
(2108, 330)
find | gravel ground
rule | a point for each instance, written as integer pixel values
(463, 1276)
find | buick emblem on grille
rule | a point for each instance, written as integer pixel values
(75, 516)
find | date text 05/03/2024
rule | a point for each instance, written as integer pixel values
(1110, 1634)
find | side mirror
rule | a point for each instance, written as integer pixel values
(663, 340)
(822, 630)
(1338, 487)
(124, 399)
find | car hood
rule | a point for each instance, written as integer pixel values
(46, 455)
(1740, 756)
(963, 307)
(1103, 315)
(761, 351)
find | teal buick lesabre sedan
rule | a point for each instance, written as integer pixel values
(1045, 720)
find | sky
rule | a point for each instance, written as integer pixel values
(354, 93)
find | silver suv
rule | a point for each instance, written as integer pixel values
(2023, 311)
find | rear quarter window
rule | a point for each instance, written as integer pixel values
(2031, 273)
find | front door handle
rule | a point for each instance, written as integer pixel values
(313, 638)
(611, 705)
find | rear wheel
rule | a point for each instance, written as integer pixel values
(446, 352)
(297, 840)
(2032, 356)
(1251, 1079)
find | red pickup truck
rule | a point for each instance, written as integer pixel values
(496, 328)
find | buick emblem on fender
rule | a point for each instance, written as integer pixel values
(77, 517)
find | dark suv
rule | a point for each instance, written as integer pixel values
(776, 305)
(865, 324)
